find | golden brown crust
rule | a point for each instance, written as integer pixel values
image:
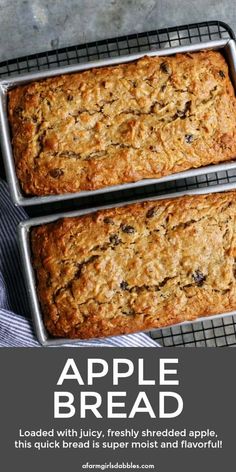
(108, 126)
(138, 267)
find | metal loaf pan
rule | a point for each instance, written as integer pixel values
(29, 273)
(228, 48)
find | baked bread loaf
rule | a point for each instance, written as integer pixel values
(108, 126)
(137, 267)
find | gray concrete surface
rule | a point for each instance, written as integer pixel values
(28, 26)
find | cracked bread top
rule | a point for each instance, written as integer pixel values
(137, 267)
(108, 126)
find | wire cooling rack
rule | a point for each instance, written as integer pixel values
(218, 332)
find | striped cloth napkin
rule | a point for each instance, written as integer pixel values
(15, 319)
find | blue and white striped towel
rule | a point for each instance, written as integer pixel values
(15, 323)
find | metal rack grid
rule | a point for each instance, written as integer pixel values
(218, 332)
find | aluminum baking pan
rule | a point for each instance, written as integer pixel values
(227, 46)
(30, 279)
